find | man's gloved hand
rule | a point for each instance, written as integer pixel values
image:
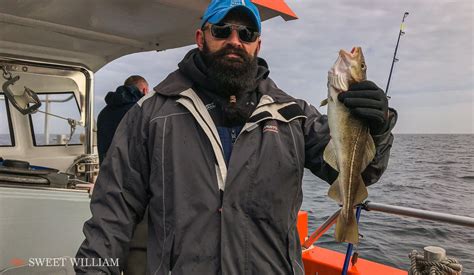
(367, 101)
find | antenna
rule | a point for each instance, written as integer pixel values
(395, 59)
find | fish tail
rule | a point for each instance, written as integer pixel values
(347, 229)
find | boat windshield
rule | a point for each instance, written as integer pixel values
(50, 125)
(6, 133)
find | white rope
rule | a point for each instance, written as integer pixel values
(448, 266)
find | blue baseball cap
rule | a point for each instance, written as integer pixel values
(218, 9)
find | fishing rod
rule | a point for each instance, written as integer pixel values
(395, 59)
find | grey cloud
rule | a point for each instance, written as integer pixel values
(436, 54)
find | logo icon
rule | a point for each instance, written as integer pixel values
(17, 262)
(270, 128)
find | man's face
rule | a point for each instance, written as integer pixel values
(229, 57)
(232, 50)
(232, 63)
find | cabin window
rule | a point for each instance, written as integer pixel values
(49, 125)
(6, 130)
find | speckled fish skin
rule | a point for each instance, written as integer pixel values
(351, 148)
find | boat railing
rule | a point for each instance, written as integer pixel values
(391, 209)
(321, 230)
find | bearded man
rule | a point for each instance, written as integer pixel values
(217, 153)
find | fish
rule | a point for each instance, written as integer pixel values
(351, 147)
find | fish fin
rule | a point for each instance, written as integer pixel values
(335, 192)
(324, 102)
(361, 194)
(347, 229)
(329, 155)
(369, 152)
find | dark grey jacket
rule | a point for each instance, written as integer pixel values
(167, 153)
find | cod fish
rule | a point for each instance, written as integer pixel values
(351, 147)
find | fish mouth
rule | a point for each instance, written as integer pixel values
(343, 61)
(349, 68)
(355, 50)
(347, 56)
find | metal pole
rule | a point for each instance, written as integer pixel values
(321, 230)
(46, 121)
(418, 213)
(89, 120)
(395, 59)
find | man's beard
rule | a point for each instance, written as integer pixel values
(231, 75)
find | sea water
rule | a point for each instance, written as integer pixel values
(430, 172)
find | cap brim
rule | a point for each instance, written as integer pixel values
(220, 15)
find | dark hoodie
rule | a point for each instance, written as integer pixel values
(194, 67)
(118, 103)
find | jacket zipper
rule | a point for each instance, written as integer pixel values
(233, 135)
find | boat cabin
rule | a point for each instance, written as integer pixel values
(49, 52)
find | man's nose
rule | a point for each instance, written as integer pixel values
(234, 39)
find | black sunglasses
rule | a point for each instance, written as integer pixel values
(223, 31)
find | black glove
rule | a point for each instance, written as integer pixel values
(367, 101)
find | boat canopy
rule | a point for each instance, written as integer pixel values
(92, 33)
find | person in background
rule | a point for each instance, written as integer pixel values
(118, 103)
(217, 154)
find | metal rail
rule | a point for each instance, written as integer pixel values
(321, 230)
(419, 213)
(391, 209)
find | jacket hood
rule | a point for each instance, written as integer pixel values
(123, 95)
(192, 71)
(193, 67)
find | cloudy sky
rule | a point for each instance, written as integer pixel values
(432, 86)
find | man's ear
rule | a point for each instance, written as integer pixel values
(200, 39)
(258, 46)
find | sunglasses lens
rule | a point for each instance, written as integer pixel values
(247, 35)
(221, 31)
